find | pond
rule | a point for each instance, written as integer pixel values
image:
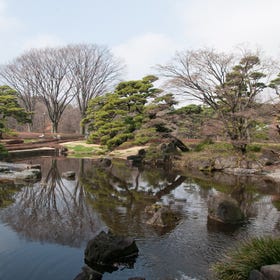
(45, 226)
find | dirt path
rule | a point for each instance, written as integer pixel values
(118, 153)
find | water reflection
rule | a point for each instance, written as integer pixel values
(54, 210)
(61, 211)
(121, 195)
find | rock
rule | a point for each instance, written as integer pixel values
(69, 175)
(241, 171)
(142, 152)
(105, 162)
(137, 278)
(271, 272)
(14, 166)
(34, 166)
(63, 151)
(220, 163)
(88, 274)
(14, 141)
(256, 275)
(162, 217)
(137, 159)
(28, 175)
(269, 157)
(169, 148)
(275, 176)
(4, 169)
(107, 249)
(11, 172)
(223, 208)
(207, 165)
(180, 145)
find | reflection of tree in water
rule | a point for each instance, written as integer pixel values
(253, 196)
(7, 193)
(121, 193)
(54, 210)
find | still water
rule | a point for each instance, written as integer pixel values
(45, 226)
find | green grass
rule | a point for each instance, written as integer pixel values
(253, 254)
(79, 151)
(30, 140)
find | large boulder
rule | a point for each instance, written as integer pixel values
(256, 275)
(271, 272)
(223, 208)
(107, 249)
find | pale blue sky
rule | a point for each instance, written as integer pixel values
(142, 33)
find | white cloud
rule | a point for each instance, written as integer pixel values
(42, 41)
(142, 52)
(225, 24)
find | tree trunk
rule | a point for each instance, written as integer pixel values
(29, 127)
(82, 129)
(54, 127)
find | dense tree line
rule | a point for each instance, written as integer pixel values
(227, 87)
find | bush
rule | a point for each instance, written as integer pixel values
(118, 140)
(254, 148)
(200, 146)
(253, 254)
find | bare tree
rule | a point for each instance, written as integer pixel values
(47, 74)
(58, 75)
(222, 82)
(94, 72)
(18, 75)
(51, 68)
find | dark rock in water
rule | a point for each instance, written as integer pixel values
(256, 275)
(70, 175)
(107, 249)
(88, 274)
(271, 272)
(224, 208)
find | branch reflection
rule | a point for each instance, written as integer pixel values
(54, 210)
